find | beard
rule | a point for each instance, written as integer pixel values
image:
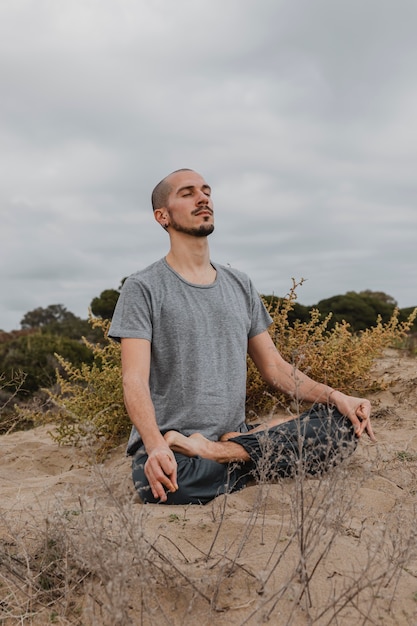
(202, 231)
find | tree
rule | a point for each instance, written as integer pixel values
(57, 320)
(40, 317)
(103, 305)
(379, 295)
(34, 355)
(358, 310)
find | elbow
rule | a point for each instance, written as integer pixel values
(132, 383)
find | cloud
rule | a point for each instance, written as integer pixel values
(300, 115)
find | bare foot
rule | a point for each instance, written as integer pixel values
(198, 445)
(194, 445)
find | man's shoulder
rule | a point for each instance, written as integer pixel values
(147, 282)
(147, 273)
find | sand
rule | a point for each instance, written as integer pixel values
(336, 550)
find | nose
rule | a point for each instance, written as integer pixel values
(202, 198)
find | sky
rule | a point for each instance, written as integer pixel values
(301, 115)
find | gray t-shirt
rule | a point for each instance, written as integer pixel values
(199, 336)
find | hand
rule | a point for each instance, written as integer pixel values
(161, 471)
(358, 411)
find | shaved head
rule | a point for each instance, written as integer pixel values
(162, 190)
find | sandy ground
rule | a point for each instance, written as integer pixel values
(336, 550)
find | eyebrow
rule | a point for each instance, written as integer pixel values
(191, 187)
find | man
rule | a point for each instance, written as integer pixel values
(185, 326)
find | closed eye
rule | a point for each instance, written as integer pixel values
(190, 190)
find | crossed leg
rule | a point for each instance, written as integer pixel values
(318, 438)
(198, 445)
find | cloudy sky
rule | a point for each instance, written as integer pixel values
(301, 114)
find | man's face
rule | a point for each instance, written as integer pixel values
(189, 206)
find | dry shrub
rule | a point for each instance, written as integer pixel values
(88, 402)
(335, 356)
(9, 390)
(39, 580)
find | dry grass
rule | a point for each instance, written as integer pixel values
(105, 562)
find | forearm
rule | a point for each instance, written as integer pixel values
(141, 411)
(160, 466)
(302, 387)
(294, 383)
(305, 389)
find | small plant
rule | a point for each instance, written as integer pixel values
(405, 456)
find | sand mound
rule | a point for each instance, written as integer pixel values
(336, 550)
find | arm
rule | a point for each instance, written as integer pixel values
(286, 378)
(161, 467)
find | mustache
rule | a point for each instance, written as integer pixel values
(201, 209)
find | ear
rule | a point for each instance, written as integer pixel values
(161, 217)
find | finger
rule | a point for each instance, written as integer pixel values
(370, 431)
(366, 426)
(364, 410)
(355, 423)
(156, 486)
(163, 473)
(169, 467)
(173, 476)
(359, 426)
(158, 480)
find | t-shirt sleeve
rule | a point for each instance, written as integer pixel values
(132, 316)
(261, 319)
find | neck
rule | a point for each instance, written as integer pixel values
(191, 259)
